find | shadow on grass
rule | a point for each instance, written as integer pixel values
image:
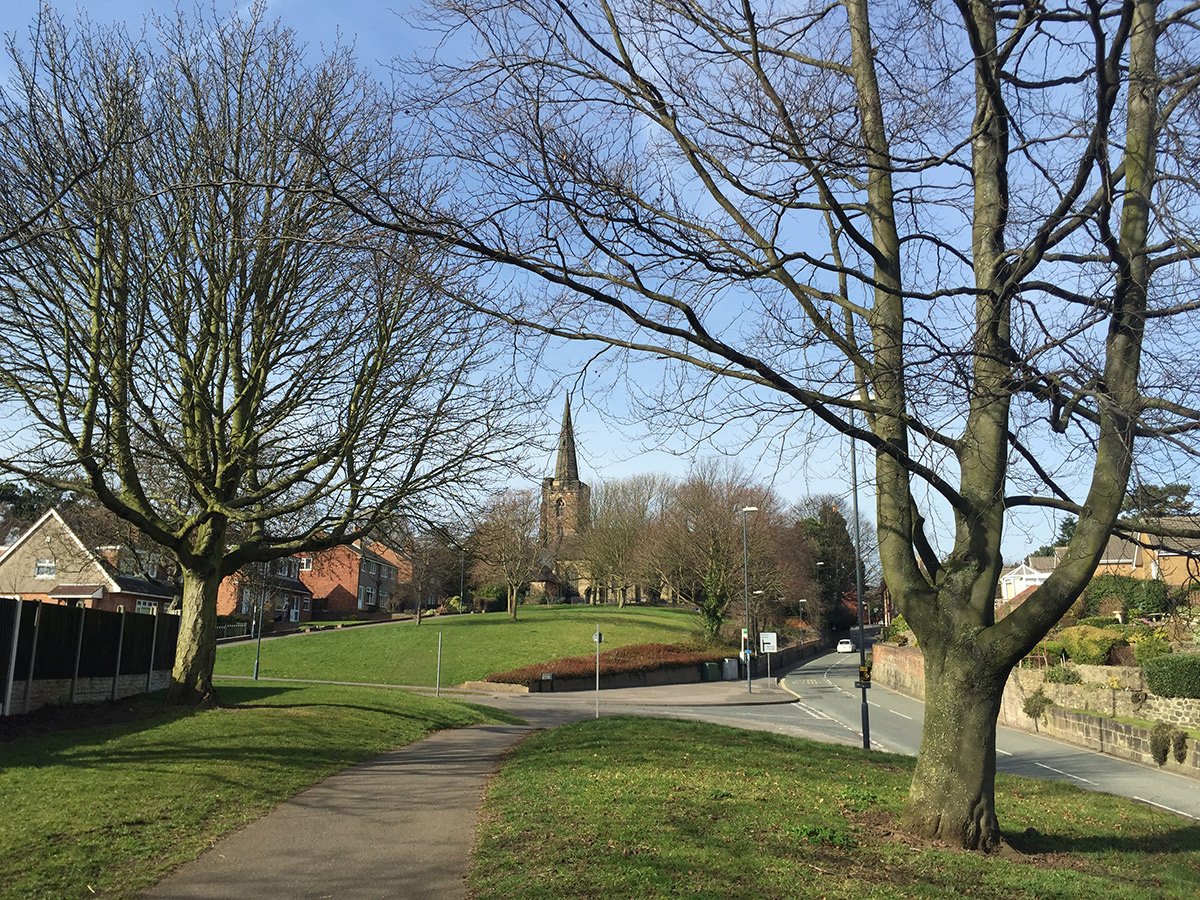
(1177, 839)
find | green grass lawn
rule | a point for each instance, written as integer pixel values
(472, 645)
(644, 808)
(108, 810)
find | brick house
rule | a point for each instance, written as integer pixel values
(356, 580)
(50, 563)
(277, 584)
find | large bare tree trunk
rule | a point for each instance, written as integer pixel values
(191, 678)
(952, 797)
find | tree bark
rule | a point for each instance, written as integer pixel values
(191, 678)
(952, 797)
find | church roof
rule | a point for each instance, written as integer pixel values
(567, 466)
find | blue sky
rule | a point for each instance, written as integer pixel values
(611, 443)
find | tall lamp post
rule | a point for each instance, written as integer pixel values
(746, 589)
(858, 589)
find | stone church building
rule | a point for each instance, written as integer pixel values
(565, 516)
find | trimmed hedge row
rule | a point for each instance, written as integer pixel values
(628, 660)
(1088, 645)
(1174, 675)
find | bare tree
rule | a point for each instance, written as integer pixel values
(621, 514)
(194, 334)
(959, 232)
(505, 545)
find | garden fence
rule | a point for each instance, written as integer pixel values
(53, 655)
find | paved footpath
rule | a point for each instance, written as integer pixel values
(403, 824)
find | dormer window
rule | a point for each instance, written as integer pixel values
(45, 568)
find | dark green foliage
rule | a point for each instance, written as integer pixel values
(631, 659)
(1088, 645)
(1154, 501)
(1099, 621)
(1036, 704)
(1149, 647)
(1053, 649)
(1174, 675)
(1160, 742)
(1061, 674)
(1137, 596)
(1179, 745)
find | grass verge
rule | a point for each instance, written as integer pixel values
(644, 808)
(108, 810)
(472, 646)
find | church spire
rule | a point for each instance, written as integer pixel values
(567, 467)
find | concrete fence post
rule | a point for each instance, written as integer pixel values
(11, 667)
(120, 642)
(37, 622)
(78, 650)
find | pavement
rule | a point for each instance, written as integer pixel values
(403, 824)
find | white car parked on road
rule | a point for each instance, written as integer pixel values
(845, 645)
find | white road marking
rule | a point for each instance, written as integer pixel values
(900, 714)
(1178, 812)
(1003, 752)
(1068, 774)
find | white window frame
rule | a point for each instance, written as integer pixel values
(369, 596)
(147, 607)
(45, 568)
(306, 563)
(360, 597)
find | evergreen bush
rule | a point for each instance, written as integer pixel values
(1160, 742)
(1174, 675)
(1088, 645)
(1061, 674)
(1036, 704)
(1179, 745)
(1150, 646)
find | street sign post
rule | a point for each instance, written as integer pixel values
(768, 643)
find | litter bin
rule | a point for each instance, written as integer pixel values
(547, 682)
(710, 671)
(729, 669)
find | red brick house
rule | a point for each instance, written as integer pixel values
(51, 564)
(277, 584)
(358, 580)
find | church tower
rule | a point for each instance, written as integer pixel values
(566, 500)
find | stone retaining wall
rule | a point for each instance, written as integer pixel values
(1079, 715)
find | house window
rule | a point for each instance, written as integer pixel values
(360, 597)
(306, 564)
(147, 607)
(369, 596)
(307, 605)
(245, 601)
(45, 568)
(370, 568)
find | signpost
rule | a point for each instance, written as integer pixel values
(599, 639)
(768, 643)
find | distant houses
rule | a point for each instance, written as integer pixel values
(49, 562)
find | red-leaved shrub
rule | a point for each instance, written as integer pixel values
(632, 659)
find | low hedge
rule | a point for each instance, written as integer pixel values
(629, 660)
(1174, 675)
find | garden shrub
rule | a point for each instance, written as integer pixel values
(1136, 596)
(1174, 675)
(631, 659)
(1088, 645)
(1149, 646)
(1179, 745)
(1160, 742)
(1054, 650)
(1100, 621)
(897, 629)
(1061, 674)
(1036, 704)
(1121, 654)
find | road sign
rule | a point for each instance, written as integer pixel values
(598, 638)
(768, 642)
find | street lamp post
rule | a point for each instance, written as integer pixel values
(858, 589)
(746, 589)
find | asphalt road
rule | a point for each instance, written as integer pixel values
(829, 699)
